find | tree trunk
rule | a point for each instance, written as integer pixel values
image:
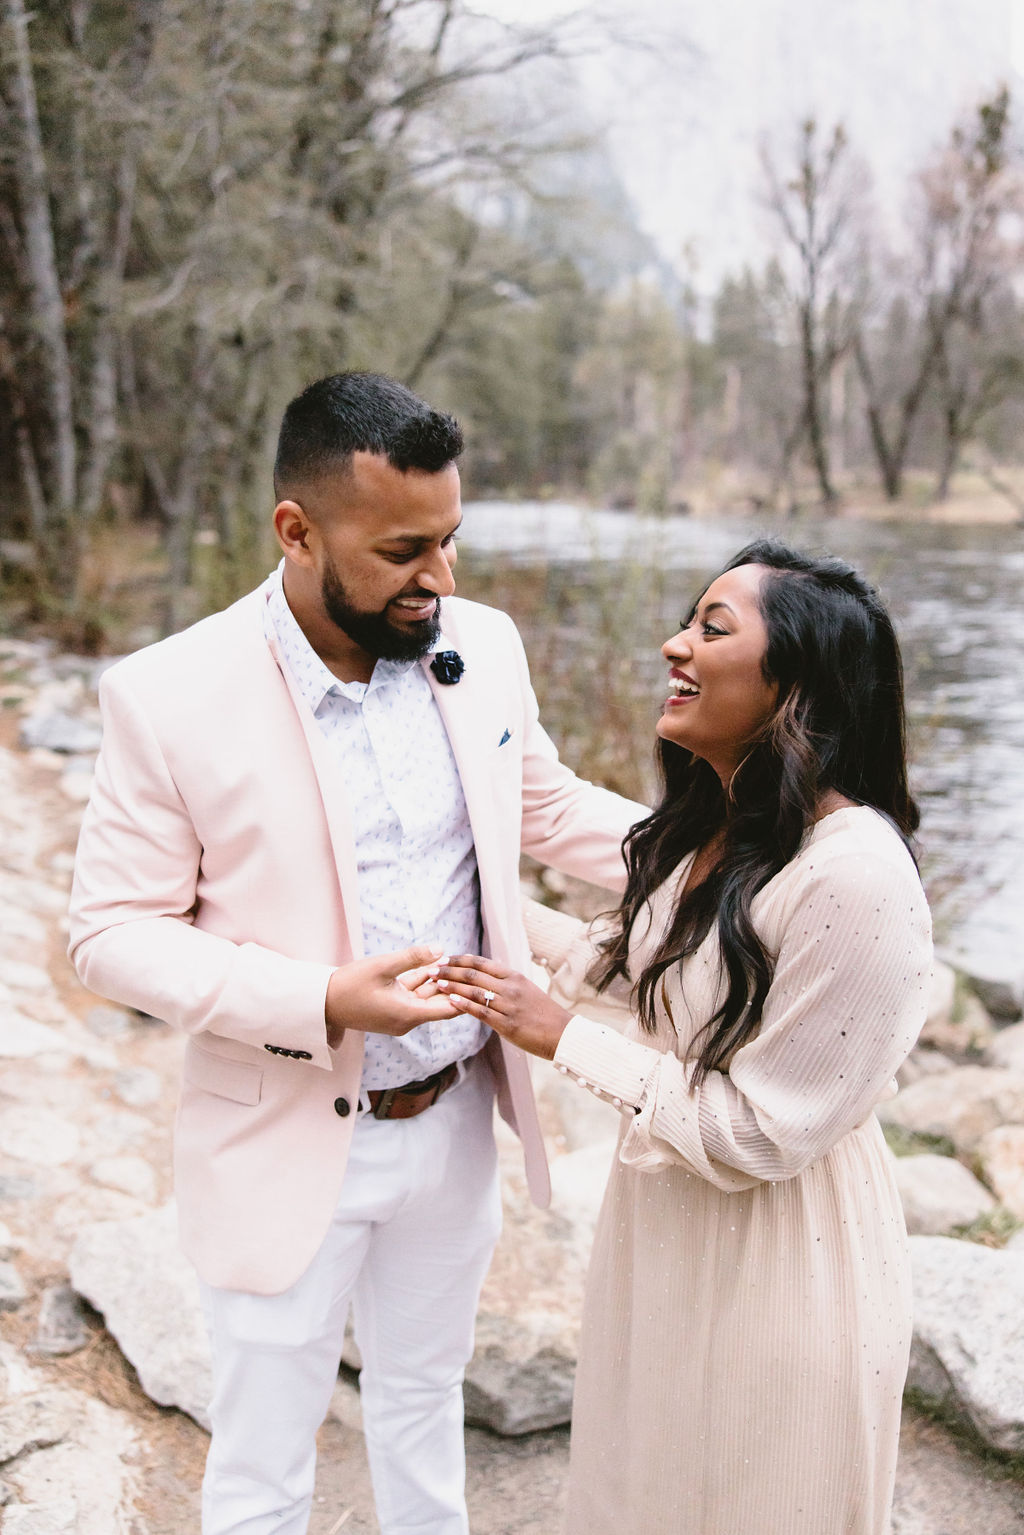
(816, 435)
(60, 556)
(889, 465)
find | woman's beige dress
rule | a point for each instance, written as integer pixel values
(747, 1320)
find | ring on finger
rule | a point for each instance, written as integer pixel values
(489, 997)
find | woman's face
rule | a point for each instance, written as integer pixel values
(720, 698)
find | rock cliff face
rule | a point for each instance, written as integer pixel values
(87, 1094)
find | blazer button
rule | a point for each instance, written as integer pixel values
(342, 1107)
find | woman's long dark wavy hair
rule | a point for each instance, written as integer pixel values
(839, 725)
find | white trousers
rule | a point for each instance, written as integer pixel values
(408, 1247)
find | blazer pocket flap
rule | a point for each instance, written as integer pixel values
(236, 1080)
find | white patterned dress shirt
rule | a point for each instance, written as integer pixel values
(418, 878)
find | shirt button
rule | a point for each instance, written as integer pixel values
(342, 1107)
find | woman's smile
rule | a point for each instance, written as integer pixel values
(720, 698)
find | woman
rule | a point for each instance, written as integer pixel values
(747, 1320)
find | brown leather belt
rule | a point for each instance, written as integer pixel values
(411, 1098)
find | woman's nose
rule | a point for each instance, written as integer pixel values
(677, 648)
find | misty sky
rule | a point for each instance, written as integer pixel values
(686, 117)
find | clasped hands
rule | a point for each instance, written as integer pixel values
(394, 993)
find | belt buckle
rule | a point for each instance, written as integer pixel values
(439, 1080)
(382, 1109)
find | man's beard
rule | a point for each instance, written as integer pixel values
(374, 632)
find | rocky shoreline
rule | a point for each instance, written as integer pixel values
(90, 1276)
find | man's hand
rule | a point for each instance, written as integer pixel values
(377, 994)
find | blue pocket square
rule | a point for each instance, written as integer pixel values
(506, 737)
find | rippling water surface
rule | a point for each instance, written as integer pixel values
(957, 595)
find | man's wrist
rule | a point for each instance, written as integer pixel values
(335, 1028)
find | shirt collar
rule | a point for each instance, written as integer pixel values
(315, 680)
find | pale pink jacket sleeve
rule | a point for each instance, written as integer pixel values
(846, 1004)
(139, 946)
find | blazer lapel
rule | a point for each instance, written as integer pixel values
(459, 704)
(335, 803)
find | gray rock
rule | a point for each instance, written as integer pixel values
(941, 995)
(19, 927)
(37, 1135)
(12, 1290)
(8, 1246)
(109, 1022)
(134, 1273)
(58, 731)
(923, 1063)
(63, 1326)
(19, 975)
(82, 1485)
(77, 779)
(119, 1129)
(967, 1358)
(1007, 1048)
(938, 1193)
(1003, 996)
(521, 1377)
(1001, 1156)
(578, 1182)
(138, 1087)
(132, 1175)
(967, 1030)
(961, 1105)
(13, 1187)
(22, 1038)
(33, 1422)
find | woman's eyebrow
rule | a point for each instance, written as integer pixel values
(711, 607)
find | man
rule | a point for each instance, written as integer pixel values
(301, 803)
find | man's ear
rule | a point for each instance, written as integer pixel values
(292, 527)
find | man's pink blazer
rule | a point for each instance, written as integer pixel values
(216, 887)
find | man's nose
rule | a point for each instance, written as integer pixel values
(436, 574)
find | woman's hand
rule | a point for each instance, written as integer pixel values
(513, 1006)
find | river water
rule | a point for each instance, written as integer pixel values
(957, 596)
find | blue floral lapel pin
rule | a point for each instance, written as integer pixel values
(448, 666)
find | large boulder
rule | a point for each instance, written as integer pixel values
(1006, 1048)
(1002, 994)
(58, 731)
(956, 1021)
(960, 1106)
(65, 1458)
(134, 1273)
(1001, 1156)
(521, 1375)
(939, 1194)
(967, 1359)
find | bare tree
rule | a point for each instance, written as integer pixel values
(817, 208)
(947, 338)
(972, 239)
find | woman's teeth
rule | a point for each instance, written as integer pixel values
(683, 689)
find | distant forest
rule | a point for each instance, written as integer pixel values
(204, 206)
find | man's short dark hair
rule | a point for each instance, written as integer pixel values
(361, 413)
